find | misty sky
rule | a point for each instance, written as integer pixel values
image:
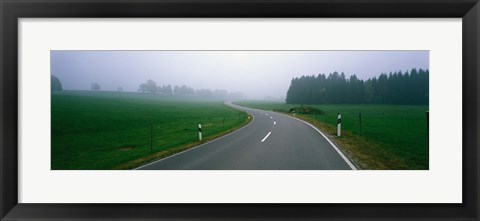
(257, 74)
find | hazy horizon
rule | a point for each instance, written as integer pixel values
(257, 74)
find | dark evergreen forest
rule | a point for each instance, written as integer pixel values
(393, 88)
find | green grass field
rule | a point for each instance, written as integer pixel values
(391, 136)
(112, 130)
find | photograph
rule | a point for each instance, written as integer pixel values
(239, 110)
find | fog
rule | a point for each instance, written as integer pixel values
(257, 74)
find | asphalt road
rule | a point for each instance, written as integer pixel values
(272, 141)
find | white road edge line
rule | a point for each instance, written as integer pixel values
(266, 136)
(349, 163)
(345, 158)
(253, 118)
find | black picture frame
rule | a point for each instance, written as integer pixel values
(12, 10)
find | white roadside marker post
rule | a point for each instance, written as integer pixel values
(339, 124)
(200, 132)
(294, 113)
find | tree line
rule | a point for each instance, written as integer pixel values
(393, 88)
(55, 84)
(151, 86)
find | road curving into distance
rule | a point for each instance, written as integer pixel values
(272, 141)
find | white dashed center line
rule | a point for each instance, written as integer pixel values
(266, 136)
(274, 122)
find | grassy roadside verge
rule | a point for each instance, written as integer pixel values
(166, 153)
(364, 153)
(389, 138)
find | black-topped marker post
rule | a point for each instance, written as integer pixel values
(339, 124)
(200, 132)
